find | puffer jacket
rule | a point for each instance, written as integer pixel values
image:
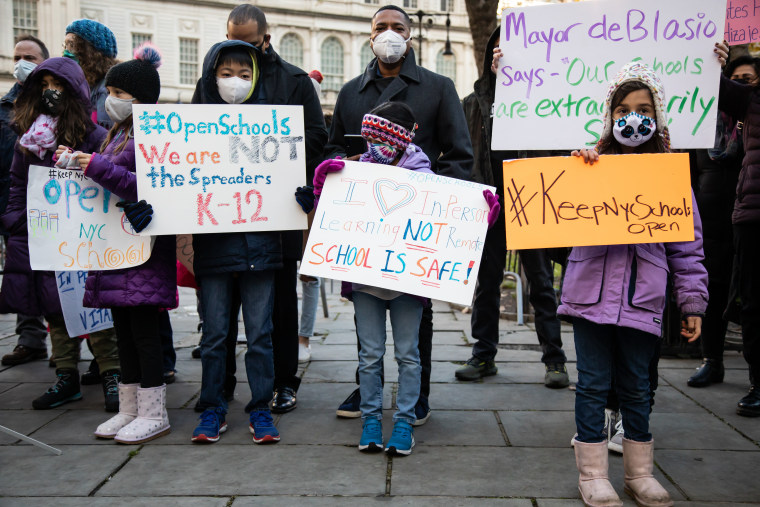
(23, 290)
(742, 102)
(153, 283)
(626, 285)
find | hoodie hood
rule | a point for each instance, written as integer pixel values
(209, 92)
(486, 83)
(65, 69)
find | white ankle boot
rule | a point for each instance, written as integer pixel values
(127, 412)
(152, 420)
(593, 482)
(640, 484)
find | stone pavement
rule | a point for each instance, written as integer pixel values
(503, 441)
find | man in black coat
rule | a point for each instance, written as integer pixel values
(31, 330)
(442, 135)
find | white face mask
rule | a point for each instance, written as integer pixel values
(634, 129)
(118, 109)
(389, 46)
(233, 90)
(22, 69)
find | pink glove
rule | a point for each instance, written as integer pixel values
(495, 208)
(322, 170)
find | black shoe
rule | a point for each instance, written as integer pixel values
(421, 411)
(169, 377)
(749, 406)
(22, 354)
(556, 376)
(475, 368)
(196, 353)
(92, 375)
(65, 389)
(51, 362)
(111, 389)
(710, 372)
(284, 400)
(350, 407)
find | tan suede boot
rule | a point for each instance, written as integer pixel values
(640, 484)
(593, 483)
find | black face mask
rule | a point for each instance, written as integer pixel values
(51, 101)
(740, 80)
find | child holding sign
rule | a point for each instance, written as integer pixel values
(388, 130)
(616, 295)
(135, 294)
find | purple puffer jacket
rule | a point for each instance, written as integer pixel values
(625, 285)
(413, 159)
(153, 283)
(23, 290)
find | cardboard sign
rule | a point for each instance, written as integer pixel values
(79, 320)
(622, 199)
(73, 224)
(558, 60)
(220, 168)
(742, 22)
(397, 229)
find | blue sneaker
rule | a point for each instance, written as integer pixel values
(402, 439)
(421, 411)
(372, 436)
(262, 427)
(211, 426)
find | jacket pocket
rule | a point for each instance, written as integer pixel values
(584, 275)
(649, 282)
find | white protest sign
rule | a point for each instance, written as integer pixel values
(79, 320)
(73, 224)
(389, 227)
(220, 168)
(558, 61)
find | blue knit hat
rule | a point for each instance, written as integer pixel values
(99, 35)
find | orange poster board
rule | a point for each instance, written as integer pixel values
(621, 199)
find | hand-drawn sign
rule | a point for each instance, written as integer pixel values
(622, 199)
(79, 320)
(389, 227)
(742, 22)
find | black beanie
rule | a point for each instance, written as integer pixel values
(138, 77)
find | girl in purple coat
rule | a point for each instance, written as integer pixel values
(615, 296)
(135, 294)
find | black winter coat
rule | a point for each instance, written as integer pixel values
(442, 132)
(7, 141)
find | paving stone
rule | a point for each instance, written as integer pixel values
(512, 372)
(669, 400)
(25, 421)
(76, 472)
(333, 353)
(237, 470)
(21, 396)
(340, 338)
(416, 501)
(502, 397)
(539, 428)
(676, 431)
(321, 427)
(4, 386)
(176, 501)
(73, 427)
(460, 428)
(188, 370)
(705, 476)
(35, 371)
(179, 393)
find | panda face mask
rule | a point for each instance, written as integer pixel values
(634, 129)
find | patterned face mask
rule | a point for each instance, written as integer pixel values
(51, 101)
(382, 153)
(633, 129)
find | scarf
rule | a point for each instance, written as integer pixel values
(41, 136)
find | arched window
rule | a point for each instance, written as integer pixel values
(332, 64)
(365, 55)
(446, 65)
(291, 49)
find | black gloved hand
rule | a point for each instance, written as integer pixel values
(305, 197)
(139, 214)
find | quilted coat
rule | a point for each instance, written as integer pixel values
(153, 283)
(23, 290)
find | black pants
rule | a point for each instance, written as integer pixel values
(285, 326)
(425, 346)
(747, 246)
(167, 341)
(485, 309)
(139, 342)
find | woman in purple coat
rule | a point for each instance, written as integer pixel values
(615, 296)
(53, 108)
(135, 295)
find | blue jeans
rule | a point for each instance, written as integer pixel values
(605, 351)
(309, 302)
(406, 313)
(256, 295)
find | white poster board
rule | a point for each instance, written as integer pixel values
(220, 168)
(558, 60)
(389, 227)
(79, 320)
(73, 224)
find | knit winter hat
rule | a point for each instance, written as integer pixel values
(139, 77)
(635, 71)
(380, 130)
(99, 35)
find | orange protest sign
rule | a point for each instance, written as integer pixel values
(622, 199)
